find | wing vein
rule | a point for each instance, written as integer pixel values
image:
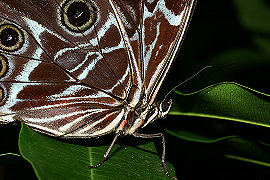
(124, 35)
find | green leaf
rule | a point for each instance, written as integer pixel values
(254, 15)
(229, 101)
(253, 161)
(9, 158)
(195, 137)
(253, 152)
(264, 44)
(242, 57)
(53, 159)
(10, 154)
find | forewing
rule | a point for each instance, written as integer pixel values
(155, 30)
(164, 25)
(97, 57)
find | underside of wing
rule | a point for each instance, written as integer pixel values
(75, 79)
(167, 22)
(66, 110)
(97, 56)
(155, 31)
(58, 80)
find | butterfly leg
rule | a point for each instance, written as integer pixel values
(135, 134)
(107, 152)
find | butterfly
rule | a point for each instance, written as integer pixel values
(86, 68)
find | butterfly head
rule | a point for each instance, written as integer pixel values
(157, 111)
(141, 116)
(164, 108)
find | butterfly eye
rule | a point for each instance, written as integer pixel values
(3, 65)
(164, 108)
(1, 94)
(11, 37)
(78, 15)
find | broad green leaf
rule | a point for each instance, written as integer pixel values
(229, 101)
(53, 159)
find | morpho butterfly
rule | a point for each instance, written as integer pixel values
(86, 68)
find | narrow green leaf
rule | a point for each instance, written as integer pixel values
(53, 159)
(247, 150)
(229, 101)
(264, 44)
(253, 161)
(243, 57)
(10, 154)
(194, 137)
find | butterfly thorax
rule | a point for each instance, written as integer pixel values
(142, 115)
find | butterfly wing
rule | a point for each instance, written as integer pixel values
(90, 57)
(60, 82)
(155, 30)
(72, 82)
(167, 20)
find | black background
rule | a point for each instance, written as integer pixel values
(215, 30)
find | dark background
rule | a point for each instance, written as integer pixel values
(234, 37)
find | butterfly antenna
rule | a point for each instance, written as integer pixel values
(191, 77)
